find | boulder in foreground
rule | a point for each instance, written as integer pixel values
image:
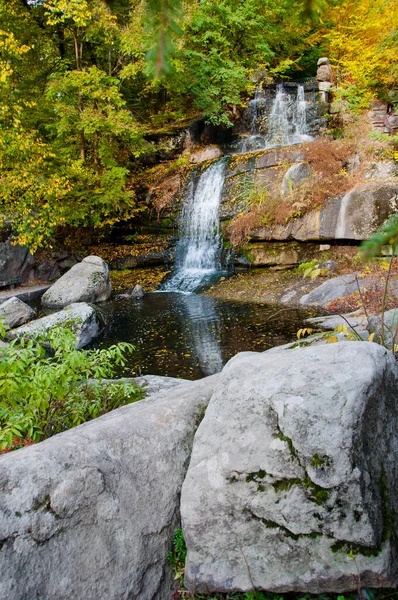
(294, 466)
(88, 281)
(90, 513)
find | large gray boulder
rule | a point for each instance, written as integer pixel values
(337, 287)
(87, 281)
(15, 312)
(90, 513)
(80, 317)
(293, 467)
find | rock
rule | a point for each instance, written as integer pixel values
(270, 254)
(329, 266)
(27, 293)
(338, 287)
(150, 259)
(293, 467)
(208, 153)
(364, 209)
(294, 177)
(325, 86)
(137, 292)
(87, 281)
(90, 513)
(82, 318)
(16, 264)
(16, 312)
(355, 320)
(383, 169)
(47, 270)
(158, 383)
(388, 331)
(355, 216)
(324, 73)
(322, 61)
(151, 383)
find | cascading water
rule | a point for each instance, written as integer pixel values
(279, 127)
(287, 121)
(199, 248)
(300, 113)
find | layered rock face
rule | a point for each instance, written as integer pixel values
(294, 467)
(90, 513)
(87, 281)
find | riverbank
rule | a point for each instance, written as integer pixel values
(287, 287)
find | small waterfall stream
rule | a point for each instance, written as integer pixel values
(198, 250)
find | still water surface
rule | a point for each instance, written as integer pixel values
(191, 336)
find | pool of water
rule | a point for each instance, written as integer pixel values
(190, 335)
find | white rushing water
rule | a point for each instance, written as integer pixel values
(198, 250)
(300, 113)
(287, 121)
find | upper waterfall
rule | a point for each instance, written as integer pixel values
(199, 248)
(284, 120)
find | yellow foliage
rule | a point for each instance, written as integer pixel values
(363, 45)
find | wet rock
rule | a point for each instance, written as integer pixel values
(90, 513)
(208, 153)
(15, 312)
(80, 317)
(293, 466)
(137, 292)
(87, 281)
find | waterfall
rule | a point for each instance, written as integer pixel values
(199, 248)
(300, 113)
(287, 121)
(279, 127)
(342, 217)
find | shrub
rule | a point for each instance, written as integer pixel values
(45, 392)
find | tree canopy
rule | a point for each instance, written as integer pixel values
(83, 81)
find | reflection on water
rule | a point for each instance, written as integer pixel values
(202, 327)
(191, 335)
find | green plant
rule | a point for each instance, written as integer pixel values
(44, 392)
(309, 269)
(178, 554)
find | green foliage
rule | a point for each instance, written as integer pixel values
(43, 393)
(309, 269)
(386, 237)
